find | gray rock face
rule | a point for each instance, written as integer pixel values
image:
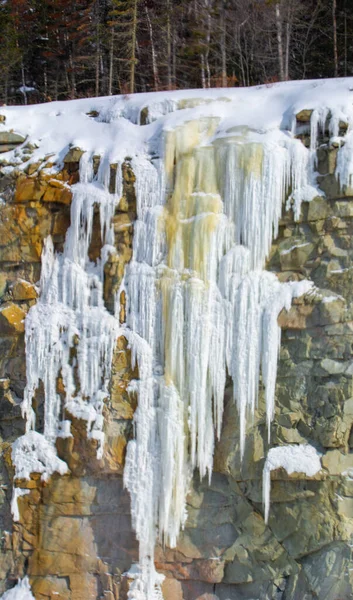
(74, 538)
(10, 140)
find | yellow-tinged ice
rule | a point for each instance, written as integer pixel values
(205, 307)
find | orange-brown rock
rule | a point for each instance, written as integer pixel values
(172, 589)
(45, 588)
(29, 188)
(23, 290)
(296, 317)
(56, 191)
(11, 319)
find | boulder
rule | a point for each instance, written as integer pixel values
(11, 319)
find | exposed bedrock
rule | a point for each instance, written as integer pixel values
(74, 537)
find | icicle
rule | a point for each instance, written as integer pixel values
(301, 177)
(70, 313)
(198, 298)
(344, 168)
(253, 180)
(198, 302)
(318, 122)
(294, 459)
(16, 494)
(175, 472)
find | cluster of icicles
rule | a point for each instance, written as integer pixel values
(200, 306)
(70, 314)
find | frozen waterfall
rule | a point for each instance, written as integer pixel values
(200, 307)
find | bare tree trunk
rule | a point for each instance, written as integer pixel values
(96, 91)
(144, 85)
(72, 72)
(345, 38)
(73, 78)
(334, 22)
(6, 87)
(45, 76)
(97, 60)
(279, 42)
(241, 58)
(133, 49)
(286, 56)
(153, 52)
(23, 83)
(111, 64)
(223, 46)
(203, 78)
(174, 77)
(169, 48)
(56, 84)
(241, 63)
(288, 36)
(67, 81)
(207, 53)
(307, 36)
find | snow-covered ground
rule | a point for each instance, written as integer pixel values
(115, 132)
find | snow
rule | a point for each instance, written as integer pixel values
(289, 250)
(213, 170)
(21, 591)
(341, 270)
(25, 89)
(329, 299)
(264, 109)
(32, 453)
(302, 458)
(16, 494)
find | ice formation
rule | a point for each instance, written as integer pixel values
(302, 458)
(200, 299)
(70, 314)
(16, 494)
(21, 591)
(210, 192)
(33, 453)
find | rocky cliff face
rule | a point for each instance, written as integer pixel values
(73, 536)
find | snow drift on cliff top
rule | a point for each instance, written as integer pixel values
(115, 132)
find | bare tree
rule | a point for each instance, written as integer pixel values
(279, 41)
(334, 23)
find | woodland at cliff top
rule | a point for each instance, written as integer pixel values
(59, 49)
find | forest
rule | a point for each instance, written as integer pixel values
(64, 49)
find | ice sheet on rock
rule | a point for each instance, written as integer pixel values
(344, 166)
(69, 333)
(16, 494)
(137, 574)
(302, 458)
(198, 298)
(302, 178)
(254, 181)
(255, 340)
(33, 453)
(175, 471)
(318, 125)
(149, 185)
(21, 591)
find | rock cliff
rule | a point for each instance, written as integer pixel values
(72, 534)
